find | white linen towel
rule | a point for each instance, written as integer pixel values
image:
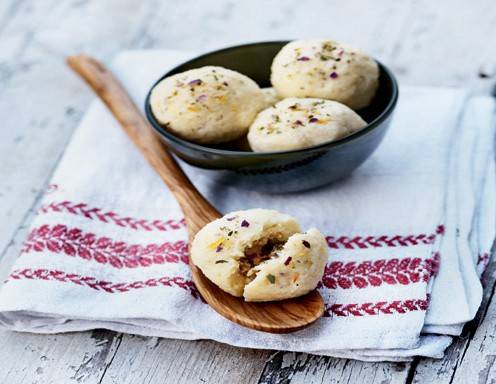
(409, 234)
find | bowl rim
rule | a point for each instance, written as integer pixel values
(249, 154)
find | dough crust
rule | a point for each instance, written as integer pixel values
(325, 69)
(301, 123)
(208, 105)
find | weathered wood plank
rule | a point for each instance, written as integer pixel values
(153, 360)
(462, 350)
(425, 42)
(296, 368)
(48, 359)
(447, 43)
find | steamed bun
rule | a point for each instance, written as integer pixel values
(325, 69)
(301, 123)
(207, 105)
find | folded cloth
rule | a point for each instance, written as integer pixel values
(409, 233)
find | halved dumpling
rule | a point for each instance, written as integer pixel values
(293, 271)
(246, 253)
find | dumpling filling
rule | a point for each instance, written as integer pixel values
(260, 254)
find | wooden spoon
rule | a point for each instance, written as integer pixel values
(277, 316)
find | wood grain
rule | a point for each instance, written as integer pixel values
(149, 359)
(81, 357)
(277, 317)
(302, 368)
(414, 37)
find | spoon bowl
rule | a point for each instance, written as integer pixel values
(275, 317)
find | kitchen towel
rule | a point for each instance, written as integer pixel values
(409, 234)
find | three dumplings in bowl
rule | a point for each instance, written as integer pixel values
(317, 84)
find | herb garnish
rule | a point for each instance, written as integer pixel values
(327, 46)
(306, 244)
(271, 278)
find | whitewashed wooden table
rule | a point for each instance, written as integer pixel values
(449, 43)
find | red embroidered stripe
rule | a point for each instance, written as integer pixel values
(361, 242)
(375, 273)
(364, 309)
(92, 213)
(380, 308)
(340, 242)
(102, 285)
(119, 254)
(483, 259)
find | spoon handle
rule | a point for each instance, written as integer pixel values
(196, 208)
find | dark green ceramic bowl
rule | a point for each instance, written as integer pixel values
(286, 171)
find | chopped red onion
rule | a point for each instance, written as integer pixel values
(195, 82)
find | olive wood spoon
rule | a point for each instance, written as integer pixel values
(276, 316)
